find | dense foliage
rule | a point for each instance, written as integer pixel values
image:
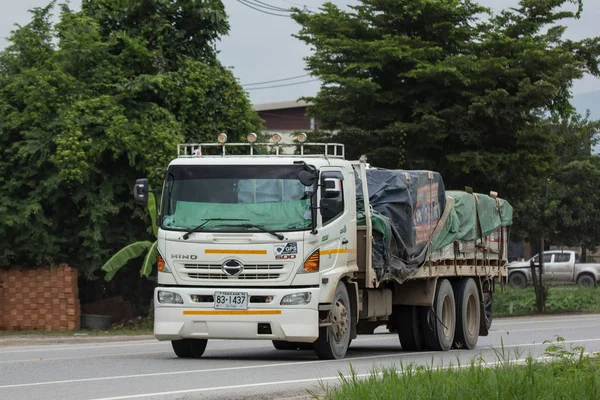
(452, 87)
(91, 104)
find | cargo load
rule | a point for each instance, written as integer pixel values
(415, 219)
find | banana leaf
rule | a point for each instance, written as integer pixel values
(149, 260)
(121, 258)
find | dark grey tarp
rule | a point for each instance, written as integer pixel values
(410, 203)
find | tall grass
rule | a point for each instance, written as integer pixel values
(565, 374)
(517, 302)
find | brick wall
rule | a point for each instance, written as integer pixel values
(39, 299)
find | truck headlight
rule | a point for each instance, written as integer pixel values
(165, 297)
(296, 299)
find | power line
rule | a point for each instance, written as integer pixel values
(254, 7)
(269, 6)
(287, 84)
(276, 80)
(298, 4)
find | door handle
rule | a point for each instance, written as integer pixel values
(345, 241)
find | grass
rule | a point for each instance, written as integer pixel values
(567, 373)
(560, 299)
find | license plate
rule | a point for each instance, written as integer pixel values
(231, 300)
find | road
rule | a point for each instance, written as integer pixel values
(148, 369)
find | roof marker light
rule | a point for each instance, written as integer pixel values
(301, 137)
(222, 138)
(276, 138)
(252, 137)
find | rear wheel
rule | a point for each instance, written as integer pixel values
(488, 307)
(334, 339)
(409, 328)
(438, 322)
(586, 281)
(467, 314)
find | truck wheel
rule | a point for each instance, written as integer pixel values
(334, 340)
(438, 322)
(517, 280)
(488, 307)
(586, 281)
(409, 328)
(467, 314)
(283, 345)
(197, 347)
(182, 348)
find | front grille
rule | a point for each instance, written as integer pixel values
(250, 272)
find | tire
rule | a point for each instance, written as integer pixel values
(438, 322)
(488, 308)
(333, 340)
(467, 303)
(586, 280)
(409, 328)
(518, 280)
(197, 347)
(283, 345)
(182, 348)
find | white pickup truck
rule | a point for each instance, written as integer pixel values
(560, 266)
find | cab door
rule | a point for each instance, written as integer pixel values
(337, 211)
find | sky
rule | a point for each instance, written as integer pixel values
(260, 46)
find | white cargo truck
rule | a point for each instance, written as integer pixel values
(308, 250)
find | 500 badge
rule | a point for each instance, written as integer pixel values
(286, 251)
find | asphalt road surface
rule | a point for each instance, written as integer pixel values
(148, 369)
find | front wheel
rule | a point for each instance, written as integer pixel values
(334, 339)
(189, 348)
(517, 280)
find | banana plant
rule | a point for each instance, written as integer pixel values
(134, 250)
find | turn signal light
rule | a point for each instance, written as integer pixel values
(312, 263)
(161, 263)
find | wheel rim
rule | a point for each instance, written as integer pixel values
(339, 321)
(471, 315)
(447, 316)
(586, 281)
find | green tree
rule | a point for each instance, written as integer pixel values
(449, 86)
(91, 104)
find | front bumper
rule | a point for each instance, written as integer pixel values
(202, 321)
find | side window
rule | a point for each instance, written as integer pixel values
(335, 182)
(547, 258)
(563, 257)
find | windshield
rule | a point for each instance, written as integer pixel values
(219, 197)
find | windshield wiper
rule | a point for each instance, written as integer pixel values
(206, 221)
(262, 229)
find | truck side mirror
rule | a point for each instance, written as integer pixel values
(140, 191)
(328, 208)
(332, 187)
(306, 178)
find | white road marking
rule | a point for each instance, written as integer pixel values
(545, 320)
(91, 346)
(294, 363)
